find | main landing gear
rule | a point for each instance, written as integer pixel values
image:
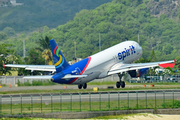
(82, 85)
(120, 83)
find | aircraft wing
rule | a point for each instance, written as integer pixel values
(50, 76)
(121, 67)
(34, 67)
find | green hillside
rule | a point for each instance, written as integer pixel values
(38, 13)
(117, 21)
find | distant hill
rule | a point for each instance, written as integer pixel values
(37, 13)
(167, 7)
(116, 21)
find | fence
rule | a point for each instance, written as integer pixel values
(100, 101)
(167, 78)
(15, 79)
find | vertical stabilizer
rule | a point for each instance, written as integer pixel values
(59, 60)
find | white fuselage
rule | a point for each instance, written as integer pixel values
(101, 63)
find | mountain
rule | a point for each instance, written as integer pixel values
(167, 7)
(38, 13)
(116, 21)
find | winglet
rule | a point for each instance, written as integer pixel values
(168, 64)
(59, 60)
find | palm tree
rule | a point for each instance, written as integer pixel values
(45, 49)
(44, 43)
(47, 55)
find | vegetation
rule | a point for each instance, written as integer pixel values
(116, 21)
(36, 83)
(50, 106)
(127, 83)
(45, 49)
(5, 59)
(35, 14)
(89, 90)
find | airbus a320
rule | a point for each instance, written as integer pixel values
(114, 60)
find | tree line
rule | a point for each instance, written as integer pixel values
(34, 13)
(117, 21)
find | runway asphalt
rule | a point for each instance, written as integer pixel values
(103, 96)
(62, 87)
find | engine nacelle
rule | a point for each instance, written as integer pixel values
(138, 73)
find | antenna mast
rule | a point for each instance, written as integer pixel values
(99, 42)
(75, 48)
(24, 52)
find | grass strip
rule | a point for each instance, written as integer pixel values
(87, 90)
(48, 107)
(127, 83)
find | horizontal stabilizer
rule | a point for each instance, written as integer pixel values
(50, 76)
(74, 76)
(38, 77)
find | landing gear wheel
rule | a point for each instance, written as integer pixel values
(79, 86)
(84, 85)
(118, 84)
(122, 84)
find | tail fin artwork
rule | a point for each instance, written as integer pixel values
(59, 60)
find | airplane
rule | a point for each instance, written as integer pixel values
(117, 59)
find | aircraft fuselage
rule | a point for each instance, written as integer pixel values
(98, 65)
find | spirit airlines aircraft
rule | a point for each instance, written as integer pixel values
(117, 59)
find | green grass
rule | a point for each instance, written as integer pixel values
(127, 83)
(87, 90)
(156, 83)
(36, 83)
(28, 108)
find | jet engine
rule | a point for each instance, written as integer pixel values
(138, 73)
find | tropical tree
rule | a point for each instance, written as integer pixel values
(21, 71)
(153, 56)
(3, 70)
(45, 49)
(142, 60)
(44, 43)
(34, 58)
(9, 31)
(47, 55)
(4, 52)
(177, 65)
(3, 36)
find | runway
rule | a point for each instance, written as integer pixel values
(99, 96)
(68, 87)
